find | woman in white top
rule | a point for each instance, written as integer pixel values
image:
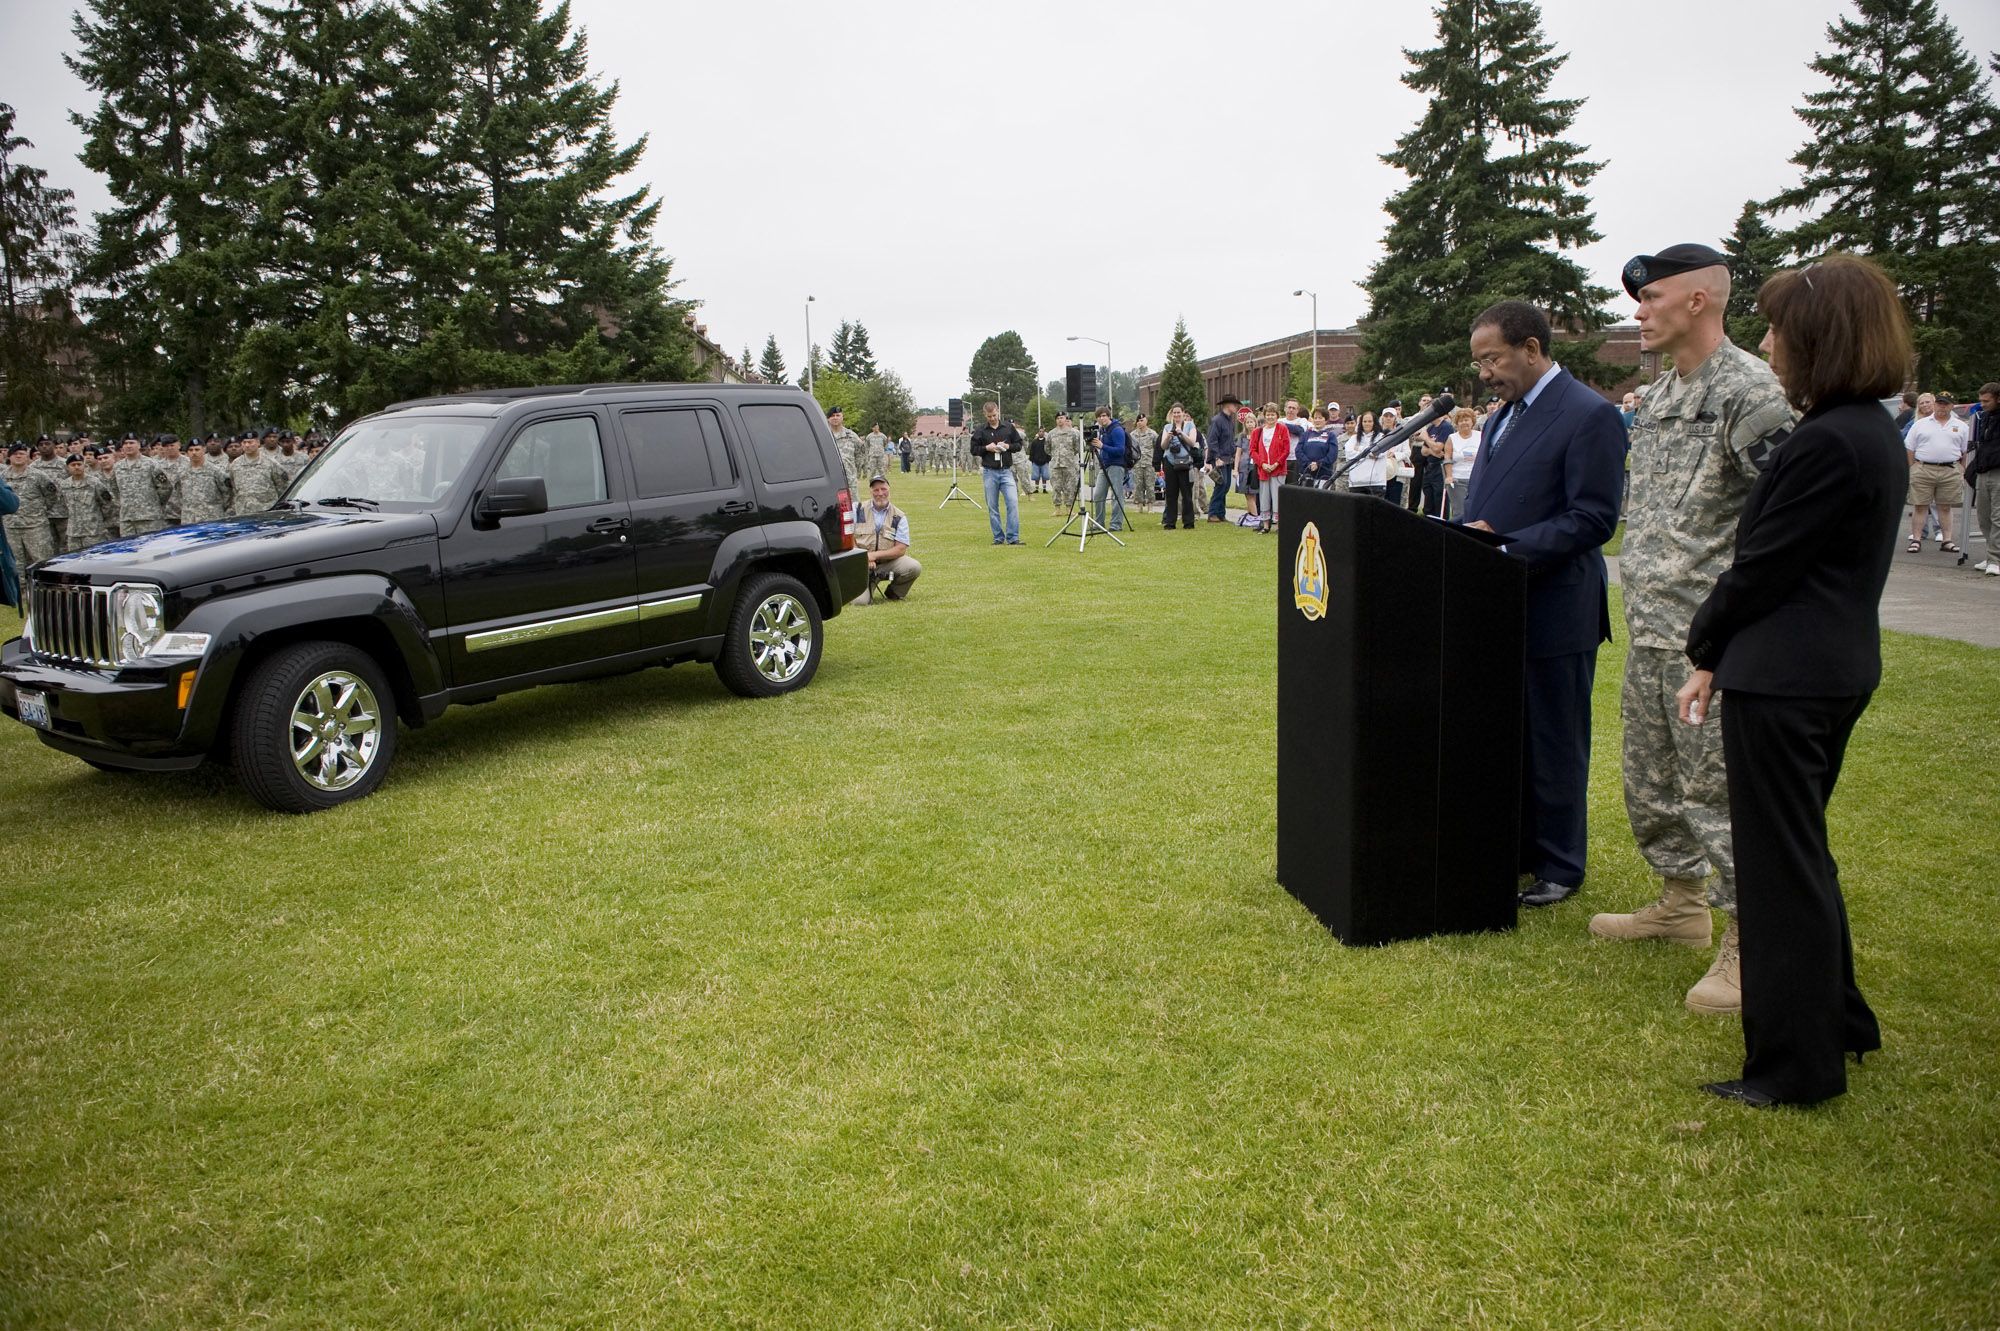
(1371, 476)
(1464, 452)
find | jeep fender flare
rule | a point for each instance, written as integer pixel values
(239, 624)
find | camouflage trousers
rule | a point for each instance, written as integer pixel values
(1676, 790)
(1065, 482)
(33, 539)
(1142, 485)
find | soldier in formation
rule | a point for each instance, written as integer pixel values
(1140, 443)
(1698, 442)
(205, 487)
(1065, 462)
(255, 478)
(32, 528)
(88, 502)
(143, 489)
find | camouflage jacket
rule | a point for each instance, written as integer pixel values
(41, 498)
(256, 480)
(206, 491)
(1697, 445)
(1141, 444)
(1064, 441)
(91, 506)
(143, 489)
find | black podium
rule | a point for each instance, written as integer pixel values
(1400, 650)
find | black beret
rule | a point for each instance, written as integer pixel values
(1669, 261)
(833, 411)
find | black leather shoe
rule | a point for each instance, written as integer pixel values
(1742, 1092)
(1544, 893)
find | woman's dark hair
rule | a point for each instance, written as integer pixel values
(1843, 327)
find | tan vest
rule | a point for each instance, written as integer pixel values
(865, 535)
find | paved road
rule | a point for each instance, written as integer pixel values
(1933, 594)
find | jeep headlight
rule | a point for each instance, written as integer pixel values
(138, 620)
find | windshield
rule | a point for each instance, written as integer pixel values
(400, 465)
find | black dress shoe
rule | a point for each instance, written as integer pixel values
(1544, 893)
(1742, 1092)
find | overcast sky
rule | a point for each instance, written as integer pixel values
(816, 149)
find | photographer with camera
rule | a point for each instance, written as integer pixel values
(994, 444)
(1112, 459)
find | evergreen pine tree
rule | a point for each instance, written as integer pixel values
(1473, 228)
(860, 359)
(554, 276)
(840, 353)
(345, 242)
(38, 328)
(772, 365)
(1755, 253)
(1900, 167)
(170, 261)
(1180, 378)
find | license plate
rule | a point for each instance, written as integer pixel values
(34, 707)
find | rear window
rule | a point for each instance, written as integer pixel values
(677, 452)
(782, 437)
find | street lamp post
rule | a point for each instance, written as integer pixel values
(809, 348)
(1035, 373)
(1314, 395)
(1110, 374)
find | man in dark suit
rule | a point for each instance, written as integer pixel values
(1551, 461)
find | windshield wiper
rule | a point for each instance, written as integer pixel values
(348, 501)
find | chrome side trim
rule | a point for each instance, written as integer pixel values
(673, 605)
(551, 628)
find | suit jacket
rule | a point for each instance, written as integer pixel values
(1553, 493)
(1797, 613)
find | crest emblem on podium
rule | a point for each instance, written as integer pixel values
(1309, 574)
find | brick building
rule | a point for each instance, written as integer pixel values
(1259, 374)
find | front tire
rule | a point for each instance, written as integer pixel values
(774, 639)
(315, 726)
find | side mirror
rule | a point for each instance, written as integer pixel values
(513, 497)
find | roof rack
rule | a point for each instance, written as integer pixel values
(580, 390)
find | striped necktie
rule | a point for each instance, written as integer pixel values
(1507, 415)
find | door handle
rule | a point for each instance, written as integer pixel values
(609, 524)
(739, 506)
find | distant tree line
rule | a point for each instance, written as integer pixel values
(322, 206)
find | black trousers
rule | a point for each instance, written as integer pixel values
(1180, 495)
(1433, 491)
(1801, 1009)
(1555, 766)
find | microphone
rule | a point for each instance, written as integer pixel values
(1441, 405)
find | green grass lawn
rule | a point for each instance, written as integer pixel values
(954, 991)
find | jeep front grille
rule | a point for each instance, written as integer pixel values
(73, 624)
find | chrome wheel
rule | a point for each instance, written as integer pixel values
(781, 638)
(336, 730)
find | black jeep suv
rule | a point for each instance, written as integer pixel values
(447, 550)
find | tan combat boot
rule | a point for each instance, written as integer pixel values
(1720, 992)
(1679, 916)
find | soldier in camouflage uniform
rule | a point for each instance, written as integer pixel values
(1702, 435)
(853, 452)
(1139, 455)
(89, 502)
(255, 478)
(292, 459)
(878, 453)
(205, 489)
(52, 462)
(1065, 465)
(31, 528)
(175, 464)
(143, 488)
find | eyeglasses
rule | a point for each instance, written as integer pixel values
(1490, 361)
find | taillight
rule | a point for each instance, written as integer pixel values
(846, 520)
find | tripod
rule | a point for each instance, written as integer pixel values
(1080, 516)
(955, 492)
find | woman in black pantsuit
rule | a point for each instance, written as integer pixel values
(1791, 633)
